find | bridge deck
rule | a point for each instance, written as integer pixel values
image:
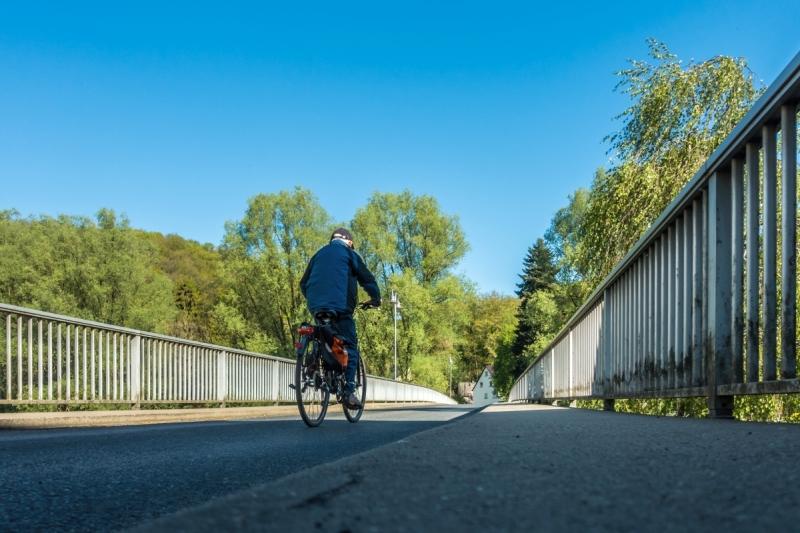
(523, 468)
(107, 479)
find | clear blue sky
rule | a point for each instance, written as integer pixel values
(176, 113)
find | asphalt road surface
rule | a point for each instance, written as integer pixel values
(112, 478)
(535, 468)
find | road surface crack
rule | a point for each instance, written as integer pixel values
(323, 497)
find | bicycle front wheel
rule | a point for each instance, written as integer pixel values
(310, 388)
(353, 415)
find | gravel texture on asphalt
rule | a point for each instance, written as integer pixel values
(113, 478)
(531, 468)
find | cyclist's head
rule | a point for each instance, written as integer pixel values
(344, 235)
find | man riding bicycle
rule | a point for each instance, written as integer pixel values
(329, 285)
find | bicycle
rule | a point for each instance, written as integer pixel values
(316, 376)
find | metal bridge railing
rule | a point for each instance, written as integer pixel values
(54, 359)
(694, 309)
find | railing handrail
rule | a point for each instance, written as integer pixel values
(765, 108)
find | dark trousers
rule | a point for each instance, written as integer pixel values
(346, 328)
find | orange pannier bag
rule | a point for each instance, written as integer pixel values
(338, 351)
(334, 346)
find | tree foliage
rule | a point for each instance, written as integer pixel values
(407, 233)
(490, 333)
(679, 113)
(412, 246)
(264, 256)
(97, 270)
(538, 275)
(197, 285)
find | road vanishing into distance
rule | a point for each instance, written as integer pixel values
(113, 478)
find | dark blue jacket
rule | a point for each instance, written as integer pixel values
(329, 283)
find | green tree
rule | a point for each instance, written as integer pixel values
(406, 233)
(432, 323)
(538, 280)
(263, 258)
(412, 247)
(564, 237)
(679, 113)
(490, 332)
(196, 273)
(538, 274)
(100, 271)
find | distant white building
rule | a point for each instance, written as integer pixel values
(483, 393)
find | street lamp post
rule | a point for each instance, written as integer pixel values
(450, 390)
(395, 306)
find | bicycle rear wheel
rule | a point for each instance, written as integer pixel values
(353, 415)
(309, 386)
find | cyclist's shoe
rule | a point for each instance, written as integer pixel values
(351, 402)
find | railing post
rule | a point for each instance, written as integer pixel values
(605, 353)
(275, 381)
(698, 205)
(222, 378)
(769, 240)
(737, 262)
(752, 163)
(789, 239)
(718, 341)
(571, 363)
(136, 365)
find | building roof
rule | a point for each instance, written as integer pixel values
(489, 369)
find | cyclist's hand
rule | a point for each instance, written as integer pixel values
(370, 304)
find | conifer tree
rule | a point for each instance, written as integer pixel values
(538, 273)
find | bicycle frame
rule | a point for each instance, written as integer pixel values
(320, 376)
(332, 377)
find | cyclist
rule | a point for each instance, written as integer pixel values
(329, 284)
